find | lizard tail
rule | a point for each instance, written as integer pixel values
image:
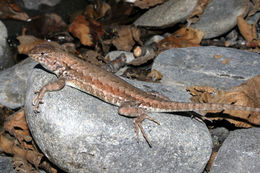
(185, 106)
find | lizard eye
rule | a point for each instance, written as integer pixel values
(42, 53)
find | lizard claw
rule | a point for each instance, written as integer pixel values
(36, 101)
(36, 111)
(138, 125)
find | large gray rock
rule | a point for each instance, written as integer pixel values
(80, 133)
(220, 16)
(167, 14)
(197, 66)
(6, 58)
(14, 83)
(239, 153)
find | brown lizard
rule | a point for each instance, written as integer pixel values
(132, 101)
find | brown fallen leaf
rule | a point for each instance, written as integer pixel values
(154, 75)
(248, 31)
(27, 42)
(22, 165)
(9, 10)
(97, 10)
(17, 141)
(88, 31)
(197, 11)
(126, 37)
(144, 4)
(45, 25)
(218, 56)
(247, 94)
(182, 38)
(225, 61)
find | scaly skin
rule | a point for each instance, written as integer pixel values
(132, 102)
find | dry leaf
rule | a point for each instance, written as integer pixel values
(9, 10)
(21, 145)
(27, 42)
(144, 4)
(197, 11)
(248, 31)
(88, 31)
(225, 61)
(182, 38)
(126, 37)
(218, 56)
(247, 94)
(45, 25)
(154, 75)
(17, 126)
(97, 10)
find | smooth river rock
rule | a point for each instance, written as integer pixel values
(199, 66)
(220, 16)
(239, 152)
(14, 83)
(6, 56)
(80, 133)
(167, 14)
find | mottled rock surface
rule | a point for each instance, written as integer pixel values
(14, 83)
(197, 66)
(80, 133)
(6, 165)
(6, 58)
(167, 14)
(220, 16)
(239, 152)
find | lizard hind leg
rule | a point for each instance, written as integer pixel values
(131, 109)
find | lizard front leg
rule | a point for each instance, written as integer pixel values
(132, 109)
(53, 86)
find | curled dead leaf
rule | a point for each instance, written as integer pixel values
(17, 141)
(9, 10)
(248, 31)
(197, 11)
(97, 10)
(126, 37)
(88, 31)
(154, 75)
(182, 38)
(247, 94)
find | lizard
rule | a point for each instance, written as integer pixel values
(91, 79)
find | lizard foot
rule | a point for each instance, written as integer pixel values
(36, 101)
(138, 125)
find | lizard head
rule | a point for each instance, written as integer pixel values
(47, 56)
